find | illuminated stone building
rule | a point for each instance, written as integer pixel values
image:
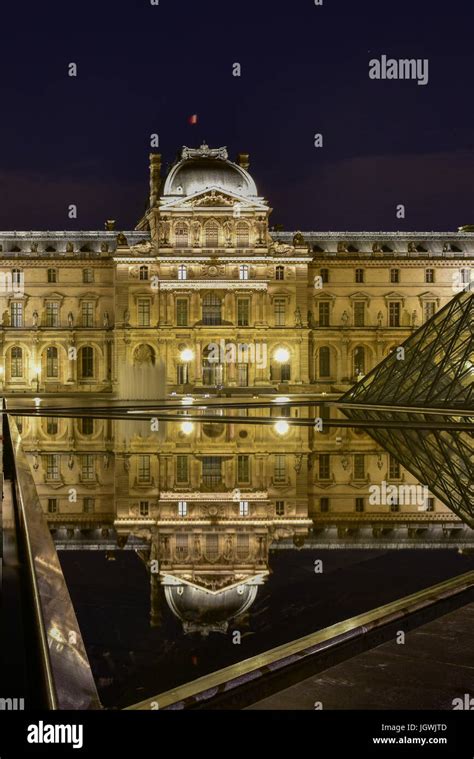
(205, 286)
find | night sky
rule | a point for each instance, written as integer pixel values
(144, 69)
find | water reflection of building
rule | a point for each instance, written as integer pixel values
(225, 476)
(203, 267)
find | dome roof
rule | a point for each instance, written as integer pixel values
(199, 610)
(202, 168)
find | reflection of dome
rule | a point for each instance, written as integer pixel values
(203, 168)
(204, 612)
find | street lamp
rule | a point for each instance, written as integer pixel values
(187, 427)
(282, 427)
(186, 355)
(282, 355)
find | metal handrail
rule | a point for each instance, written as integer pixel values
(68, 677)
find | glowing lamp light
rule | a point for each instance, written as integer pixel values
(282, 427)
(186, 354)
(187, 427)
(281, 355)
(187, 400)
(281, 399)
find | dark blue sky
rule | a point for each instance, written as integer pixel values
(144, 69)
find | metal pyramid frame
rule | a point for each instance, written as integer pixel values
(432, 380)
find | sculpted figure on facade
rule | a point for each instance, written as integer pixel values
(196, 230)
(227, 228)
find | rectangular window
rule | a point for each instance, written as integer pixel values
(87, 314)
(323, 309)
(52, 505)
(394, 275)
(324, 466)
(393, 468)
(243, 545)
(280, 508)
(51, 425)
(242, 375)
(359, 505)
(182, 508)
(359, 313)
(359, 466)
(243, 312)
(244, 508)
(211, 471)
(324, 274)
(324, 504)
(182, 312)
(324, 413)
(144, 474)
(429, 309)
(430, 504)
(394, 314)
(143, 312)
(181, 374)
(359, 275)
(88, 505)
(182, 469)
(88, 467)
(16, 312)
(279, 471)
(280, 312)
(144, 508)
(429, 275)
(182, 545)
(52, 314)
(243, 468)
(88, 275)
(52, 275)
(52, 466)
(212, 546)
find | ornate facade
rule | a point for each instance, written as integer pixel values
(206, 286)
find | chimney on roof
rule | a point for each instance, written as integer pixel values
(243, 160)
(155, 177)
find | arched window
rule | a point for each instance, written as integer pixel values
(359, 360)
(212, 234)
(324, 362)
(280, 272)
(52, 362)
(182, 271)
(242, 235)
(143, 272)
(16, 362)
(181, 235)
(87, 362)
(211, 309)
(243, 271)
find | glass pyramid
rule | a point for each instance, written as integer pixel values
(423, 394)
